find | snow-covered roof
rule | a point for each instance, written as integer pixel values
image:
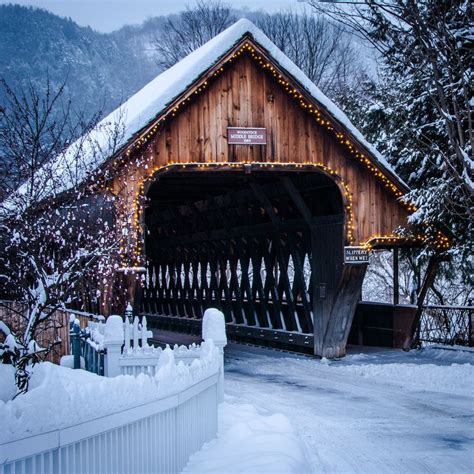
(153, 99)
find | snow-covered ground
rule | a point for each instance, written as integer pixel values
(377, 411)
(251, 442)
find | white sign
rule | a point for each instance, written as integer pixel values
(356, 255)
(246, 136)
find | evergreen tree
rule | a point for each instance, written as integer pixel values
(420, 113)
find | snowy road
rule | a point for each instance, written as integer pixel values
(377, 412)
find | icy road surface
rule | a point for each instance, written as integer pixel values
(378, 412)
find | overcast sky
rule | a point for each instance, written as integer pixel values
(109, 15)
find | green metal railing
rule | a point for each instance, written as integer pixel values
(83, 348)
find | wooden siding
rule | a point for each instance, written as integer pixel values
(245, 95)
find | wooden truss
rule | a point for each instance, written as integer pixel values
(264, 248)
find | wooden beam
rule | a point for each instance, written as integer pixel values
(326, 266)
(265, 202)
(297, 199)
(433, 265)
(244, 231)
(396, 287)
(234, 198)
(342, 312)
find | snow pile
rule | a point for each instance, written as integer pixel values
(7, 382)
(61, 397)
(213, 326)
(431, 369)
(193, 350)
(97, 335)
(68, 361)
(249, 442)
(113, 330)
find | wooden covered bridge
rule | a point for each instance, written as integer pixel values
(243, 187)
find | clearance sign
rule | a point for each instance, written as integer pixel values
(246, 136)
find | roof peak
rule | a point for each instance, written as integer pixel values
(154, 98)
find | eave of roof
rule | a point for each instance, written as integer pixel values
(235, 35)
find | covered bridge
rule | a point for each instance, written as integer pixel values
(243, 187)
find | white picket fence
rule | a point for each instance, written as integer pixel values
(156, 437)
(127, 351)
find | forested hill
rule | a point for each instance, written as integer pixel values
(101, 69)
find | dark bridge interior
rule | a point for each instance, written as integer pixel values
(246, 243)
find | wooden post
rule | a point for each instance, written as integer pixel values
(343, 310)
(326, 266)
(430, 275)
(75, 336)
(133, 290)
(396, 287)
(318, 306)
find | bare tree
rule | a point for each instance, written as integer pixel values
(447, 289)
(56, 223)
(189, 30)
(378, 282)
(318, 46)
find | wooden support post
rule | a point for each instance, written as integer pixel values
(298, 200)
(133, 290)
(317, 296)
(396, 287)
(326, 265)
(430, 275)
(343, 310)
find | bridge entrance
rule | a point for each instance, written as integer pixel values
(263, 244)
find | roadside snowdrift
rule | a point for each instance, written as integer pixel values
(249, 442)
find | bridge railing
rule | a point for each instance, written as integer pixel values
(450, 325)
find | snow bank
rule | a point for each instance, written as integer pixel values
(7, 382)
(213, 326)
(249, 442)
(431, 369)
(68, 361)
(61, 397)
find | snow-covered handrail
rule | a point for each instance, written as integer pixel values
(126, 351)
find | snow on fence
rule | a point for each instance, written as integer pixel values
(154, 437)
(157, 436)
(119, 347)
(54, 330)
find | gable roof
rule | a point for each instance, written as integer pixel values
(158, 95)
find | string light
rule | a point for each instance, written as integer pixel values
(251, 51)
(131, 248)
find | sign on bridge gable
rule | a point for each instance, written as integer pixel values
(246, 136)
